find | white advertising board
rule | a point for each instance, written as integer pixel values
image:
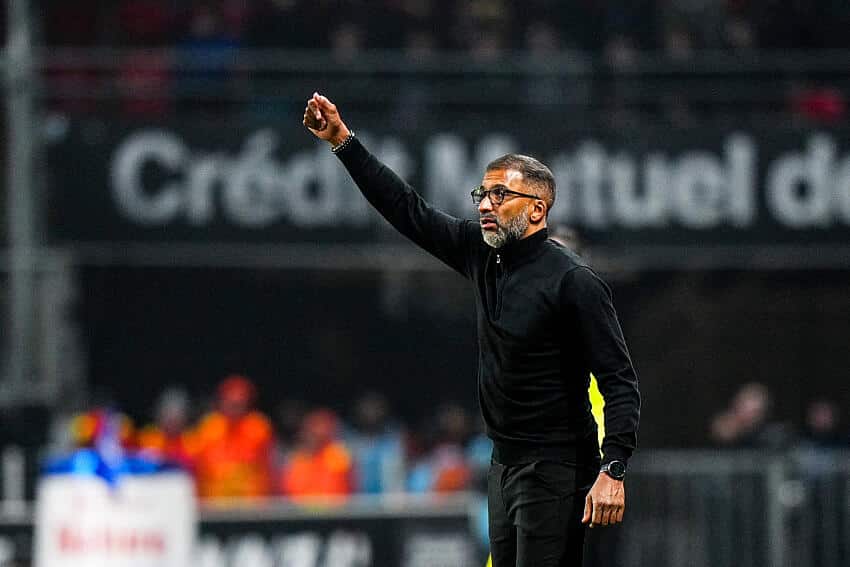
(141, 521)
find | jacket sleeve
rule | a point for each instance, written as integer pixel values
(440, 234)
(607, 356)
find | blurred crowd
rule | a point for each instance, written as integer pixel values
(480, 26)
(750, 421)
(203, 38)
(234, 450)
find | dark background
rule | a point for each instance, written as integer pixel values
(325, 336)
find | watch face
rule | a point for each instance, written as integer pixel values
(617, 469)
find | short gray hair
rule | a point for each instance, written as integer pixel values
(533, 171)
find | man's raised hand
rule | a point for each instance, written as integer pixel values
(322, 119)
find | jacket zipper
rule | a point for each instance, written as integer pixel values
(501, 287)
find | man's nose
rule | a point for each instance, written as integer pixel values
(485, 205)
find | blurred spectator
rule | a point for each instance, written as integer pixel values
(421, 17)
(481, 27)
(234, 445)
(321, 466)
(443, 467)
(679, 44)
(479, 450)
(170, 438)
(621, 53)
(723, 429)
(347, 41)
(823, 425)
(746, 423)
(739, 34)
(89, 427)
(542, 39)
(377, 445)
(587, 25)
(289, 415)
(487, 44)
(209, 54)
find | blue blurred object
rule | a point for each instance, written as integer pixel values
(89, 462)
(107, 458)
(380, 461)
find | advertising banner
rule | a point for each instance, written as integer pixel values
(205, 183)
(141, 521)
(253, 536)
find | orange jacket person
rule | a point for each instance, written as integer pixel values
(234, 445)
(321, 466)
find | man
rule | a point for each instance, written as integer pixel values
(545, 322)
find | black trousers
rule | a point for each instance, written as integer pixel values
(535, 513)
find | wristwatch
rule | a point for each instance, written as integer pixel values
(614, 469)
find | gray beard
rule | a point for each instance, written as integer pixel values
(511, 232)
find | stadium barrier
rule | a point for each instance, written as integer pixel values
(695, 508)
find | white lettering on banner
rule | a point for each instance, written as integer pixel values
(248, 196)
(629, 207)
(696, 189)
(437, 550)
(253, 189)
(348, 550)
(205, 173)
(74, 541)
(157, 179)
(741, 179)
(799, 189)
(142, 149)
(842, 189)
(302, 550)
(209, 553)
(590, 161)
(307, 549)
(251, 550)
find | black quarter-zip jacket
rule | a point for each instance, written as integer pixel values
(545, 321)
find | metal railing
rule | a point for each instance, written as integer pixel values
(760, 83)
(684, 508)
(741, 509)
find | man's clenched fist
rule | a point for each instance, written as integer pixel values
(322, 118)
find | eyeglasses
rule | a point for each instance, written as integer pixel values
(496, 194)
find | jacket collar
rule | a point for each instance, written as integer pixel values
(524, 249)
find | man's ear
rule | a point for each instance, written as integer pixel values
(538, 213)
